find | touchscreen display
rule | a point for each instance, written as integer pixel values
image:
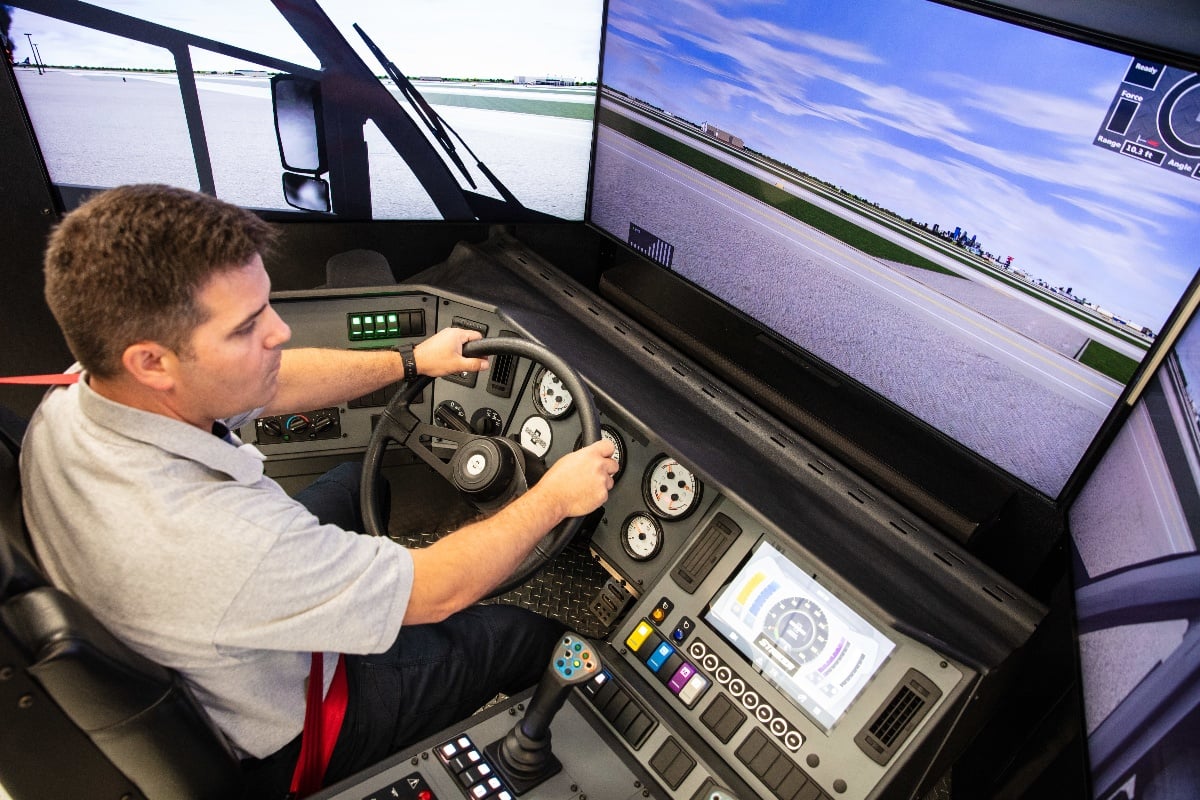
(805, 641)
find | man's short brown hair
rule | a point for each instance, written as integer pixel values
(127, 265)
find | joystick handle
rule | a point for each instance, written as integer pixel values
(524, 757)
(573, 662)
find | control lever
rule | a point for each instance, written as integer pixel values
(523, 757)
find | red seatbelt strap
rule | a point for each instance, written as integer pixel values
(322, 723)
(55, 379)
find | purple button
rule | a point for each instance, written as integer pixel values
(681, 677)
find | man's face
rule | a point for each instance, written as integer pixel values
(232, 363)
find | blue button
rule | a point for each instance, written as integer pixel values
(660, 655)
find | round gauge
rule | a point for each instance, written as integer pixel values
(798, 627)
(609, 433)
(550, 396)
(446, 410)
(641, 536)
(487, 422)
(536, 436)
(670, 489)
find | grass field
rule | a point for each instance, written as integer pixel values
(1104, 359)
(825, 221)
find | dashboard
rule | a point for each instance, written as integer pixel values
(773, 627)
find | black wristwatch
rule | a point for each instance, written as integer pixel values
(410, 361)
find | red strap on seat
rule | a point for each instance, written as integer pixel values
(322, 723)
(55, 379)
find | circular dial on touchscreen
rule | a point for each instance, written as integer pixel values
(798, 627)
(550, 396)
(671, 490)
(642, 536)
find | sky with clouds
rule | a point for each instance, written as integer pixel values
(939, 115)
(451, 38)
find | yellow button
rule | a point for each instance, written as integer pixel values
(639, 636)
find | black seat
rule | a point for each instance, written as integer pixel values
(85, 716)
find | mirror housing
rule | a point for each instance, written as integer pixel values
(299, 127)
(306, 192)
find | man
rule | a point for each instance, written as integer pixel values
(181, 546)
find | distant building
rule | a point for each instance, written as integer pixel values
(722, 136)
(542, 81)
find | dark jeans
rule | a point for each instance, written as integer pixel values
(431, 677)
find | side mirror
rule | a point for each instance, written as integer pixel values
(306, 192)
(298, 123)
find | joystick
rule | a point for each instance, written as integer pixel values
(523, 757)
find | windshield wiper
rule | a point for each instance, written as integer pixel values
(437, 126)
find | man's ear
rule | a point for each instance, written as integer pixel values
(150, 364)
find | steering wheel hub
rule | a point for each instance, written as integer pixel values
(483, 469)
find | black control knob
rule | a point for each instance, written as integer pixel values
(524, 756)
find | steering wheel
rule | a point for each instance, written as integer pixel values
(488, 471)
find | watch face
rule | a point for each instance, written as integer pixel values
(550, 396)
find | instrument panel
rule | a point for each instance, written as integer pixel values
(755, 666)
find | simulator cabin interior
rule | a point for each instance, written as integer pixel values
(886, 307)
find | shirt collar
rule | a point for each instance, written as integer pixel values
(242, 462)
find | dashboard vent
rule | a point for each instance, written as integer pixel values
(905, 707)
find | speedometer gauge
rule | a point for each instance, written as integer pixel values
(641, 536)
(550, 396)
(671, 490)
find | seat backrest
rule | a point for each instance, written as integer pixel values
(141, 717)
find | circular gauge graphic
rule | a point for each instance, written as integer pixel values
(487, 422)
(446, 410)
(798, 627)
(550, 396)
(536, 436)
(1179, 117)
(670, 489)
(610, 433)
(641, 536)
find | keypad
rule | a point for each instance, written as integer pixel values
(470, 767)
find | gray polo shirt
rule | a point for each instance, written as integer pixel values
(186, 551)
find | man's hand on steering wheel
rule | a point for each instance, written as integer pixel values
(575, 479)
(441, 354)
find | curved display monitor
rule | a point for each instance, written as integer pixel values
(983, 224)
(1134, 526)
(459, 110)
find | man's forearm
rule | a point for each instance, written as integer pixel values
(315, 377)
